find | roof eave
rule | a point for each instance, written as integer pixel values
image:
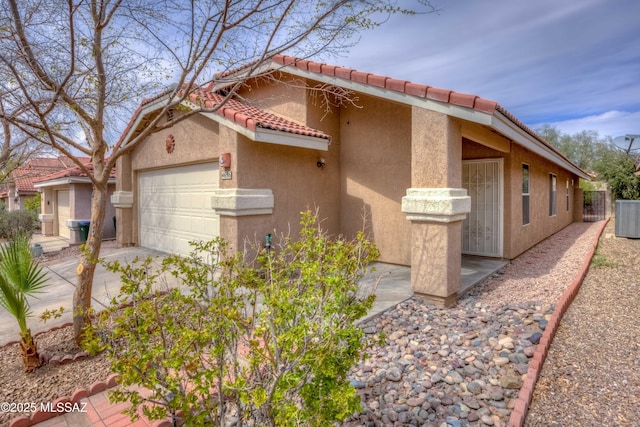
(68, 180)
(511, 130)
(496, 121)
(453, 110)
(272, 136)
(150, 107)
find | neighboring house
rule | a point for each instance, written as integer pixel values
(431, 174)
(18, 186)
(66, 202)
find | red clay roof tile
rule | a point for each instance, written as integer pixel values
(403, 86)
(343, 73)
(359, 77)
(438, 94)
(395, 84)
(376, 80)
(416, 89)
(462, 99)
(251, 117)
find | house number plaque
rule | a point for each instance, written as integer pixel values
(225, 175)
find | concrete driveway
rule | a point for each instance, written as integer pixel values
(59, 293)
(393, 285)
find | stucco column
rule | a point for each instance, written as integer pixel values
(122, 200)
(436, 205)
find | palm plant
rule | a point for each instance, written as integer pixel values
(21, 276)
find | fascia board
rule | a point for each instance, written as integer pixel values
(392, 95)
(497, 121)
(504, 125)
(272, 136)
(68, 180)
(291, 139)
(148, 108)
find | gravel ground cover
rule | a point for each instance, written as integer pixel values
(461, 366)
(464, 365)
(591, 376)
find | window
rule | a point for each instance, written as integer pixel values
(567, 194)
(525, 194)
(552, 195)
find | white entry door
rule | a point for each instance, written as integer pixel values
(482, 229)
(63, 213)
(174, 207)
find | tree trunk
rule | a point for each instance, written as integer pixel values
(87, 267)
(30, 357)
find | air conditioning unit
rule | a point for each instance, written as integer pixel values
(628, 218)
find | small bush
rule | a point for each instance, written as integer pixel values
(13, 223)
(267, 343)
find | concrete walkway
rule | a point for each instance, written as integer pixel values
(61, 285)
(394, 286)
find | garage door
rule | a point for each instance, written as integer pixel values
(174, 207)
(63, 213)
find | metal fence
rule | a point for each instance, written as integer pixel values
(594, 207)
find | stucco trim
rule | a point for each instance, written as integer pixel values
(507, 127)
(122, 199)
(436, 204)
(242, 201)
(68, 180)
(45, 217)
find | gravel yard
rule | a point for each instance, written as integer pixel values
(591, 376)
(462, 366)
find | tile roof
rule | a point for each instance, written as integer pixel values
(74, 171)
(251, 117)
(403, 86)
(25, 176)
(237, 111)
(419, 90)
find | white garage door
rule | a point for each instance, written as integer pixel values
(63, 213)
(175, 207)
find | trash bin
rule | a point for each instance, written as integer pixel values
(84, 231)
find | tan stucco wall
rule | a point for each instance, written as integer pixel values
(295, 180)
(375, 159)
(80, 201)
(517, 237)
(287, 99)
(196, 141)
(79, 204)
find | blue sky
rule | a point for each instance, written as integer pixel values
(571, 63)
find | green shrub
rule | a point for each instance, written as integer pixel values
(262, 343)
(13, 223)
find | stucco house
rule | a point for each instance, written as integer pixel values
(434, 173)
(18, 186)
(66, 203)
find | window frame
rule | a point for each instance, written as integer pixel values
(553, 194)
(526, 194)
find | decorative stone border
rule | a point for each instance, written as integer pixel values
(519, 413)
(77, 395)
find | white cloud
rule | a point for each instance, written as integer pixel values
(611, 123)
(564, 62)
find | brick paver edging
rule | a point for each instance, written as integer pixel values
(521, 407)
(76, 397)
